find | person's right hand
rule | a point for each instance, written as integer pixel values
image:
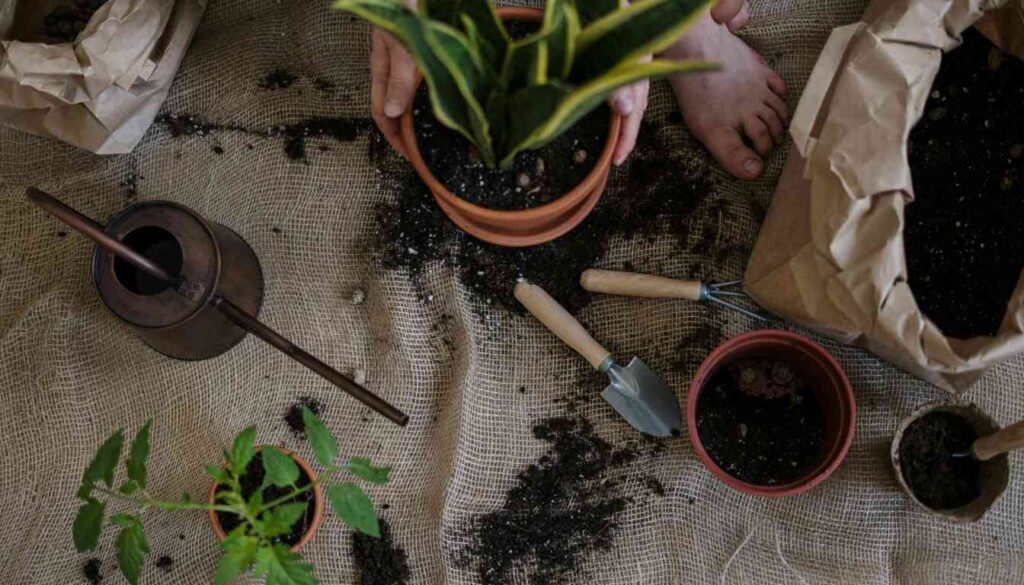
(393, 86)
(732, 13)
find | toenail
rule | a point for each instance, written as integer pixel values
(752, 165)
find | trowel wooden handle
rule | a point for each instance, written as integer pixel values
(547, 310)
(630, 284)
(1008, 439)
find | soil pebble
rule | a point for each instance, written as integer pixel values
(252, 481)
(91, 572)
(964, 228)
(293, 417)
(759, 421)
(165, 564)
(380, 561)
(940, 481)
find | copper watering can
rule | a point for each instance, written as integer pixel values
(190, 289)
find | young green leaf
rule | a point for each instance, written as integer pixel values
(242, 451)
(131, 550)
(282, 567)
(280, 519)
(104, 463)
(218, 474)
(88, 524)
(280, 469)
(352, 504)
(137, 455)
(591, 10)
(129, 487)
(325, 446)
(363, 468)
(123, 520)
(239, 555)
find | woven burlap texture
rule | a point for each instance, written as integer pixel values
(70, 373)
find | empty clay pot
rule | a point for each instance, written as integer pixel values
(995, 473)
(318, 501)
(820, 371)
(527, 227)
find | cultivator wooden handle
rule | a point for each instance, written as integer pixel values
(648, 286)
(547, 310)
(1008, 439)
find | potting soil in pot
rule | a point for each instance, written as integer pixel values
(252, 481)
(940, 481)
(964, 229)
(760, 422)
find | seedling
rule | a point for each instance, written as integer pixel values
(252, 542)
(506, 96)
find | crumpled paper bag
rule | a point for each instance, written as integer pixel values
(103, 91)
(830, 252)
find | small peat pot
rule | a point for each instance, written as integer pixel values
(545, 220)
(303, 530)
(771, 413)
(951, 459)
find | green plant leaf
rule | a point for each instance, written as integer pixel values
(239, 555)
(123, 519)
(489, 37)
(129, 487)
(242, 451)
(624, 36)
(282, 567)
(325, 446)
(131, 550)
(280, 519)
(563, 22)
(280, 469)
(88, 524)
(526, 62)
(591, 10)
(352, 504)
(218, 474)
(103, 464)
(363, 468)
(137, 456)
(543, 112)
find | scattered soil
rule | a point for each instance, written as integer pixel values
(379, 561)
(661, 192)
(561, 509)
(760, 423)
(64, 23)
(251, 481)
(277, 78)
(293, 417)
(91, 572)
(536, 177)
(939, 481)
(165, 564)
(965, 226)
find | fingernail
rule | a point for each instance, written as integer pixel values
(393, 108)
(624, 105)
(752, 166)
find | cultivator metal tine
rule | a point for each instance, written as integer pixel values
(739, 308)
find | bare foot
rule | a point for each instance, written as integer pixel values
(742, 103)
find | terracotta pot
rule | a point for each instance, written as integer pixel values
(527, 227)
(318, 501)
(820, 370)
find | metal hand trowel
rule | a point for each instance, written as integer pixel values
(636, 392)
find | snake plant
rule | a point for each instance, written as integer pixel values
(506, 96)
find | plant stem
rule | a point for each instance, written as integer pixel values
(318, 481)
(149, 502)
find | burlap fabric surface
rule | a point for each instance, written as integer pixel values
(70, 373)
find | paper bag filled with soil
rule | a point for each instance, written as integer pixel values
(845, 251)
(91, 73)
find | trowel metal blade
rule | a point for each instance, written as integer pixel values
(652, 408)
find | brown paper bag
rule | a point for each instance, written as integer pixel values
(830, 253)
(103, 91)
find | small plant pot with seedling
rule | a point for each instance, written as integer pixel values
(265, 504)
(771, 413)
(951, 459)
(508, 135)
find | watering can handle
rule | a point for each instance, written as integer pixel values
(1012, 437)
(547, 310)
(631, 284)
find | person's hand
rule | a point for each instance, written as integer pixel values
(630, 102)
(732, 13)
(393, 86)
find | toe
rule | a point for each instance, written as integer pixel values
(758, 133)
(778, 105)
(776, 82)
(726, 145)
(775, 126)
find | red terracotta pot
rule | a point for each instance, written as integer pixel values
(527, 227)
(820, 370)
(318, 501)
